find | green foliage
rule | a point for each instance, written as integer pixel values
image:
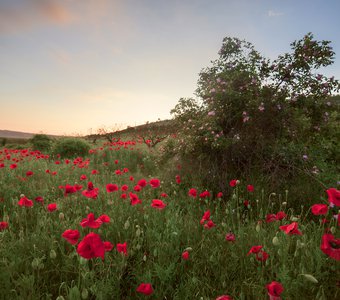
(41, 142)
(71, 147)
(254, 115)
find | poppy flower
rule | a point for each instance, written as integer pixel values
(262, 255)
(334, 196)
(274, 290)
(24, 201)
(123, 196)
(280, 215)
(104, 219)
(13, 166)
(250, 188)
(330, 246)
(224, 297)
(110, 187)
(122, 248)
(159, 204)
(91, 192)
(2, 165)
(206, 217)
(3, 225)
(124, 187)
(71, 236)
(29, 173)
(39, 199)
(134, 200)
(91, 246)
(142, 183)
(137, 188)
(185, 255)
(291, 229)
(118, 172)
(178, 179)
(220, 195)
(254, 250)
(145, 288)
(155, 183)
(164, 195)
(204, 194)
(83, 177)
(230, 237)
(91, 222)
(319, 209)
(69, 189)
(209, 224)
(108, 246)
(233, 182)
(192, 192)
(52, 207)
(271, 218)
(93, 172)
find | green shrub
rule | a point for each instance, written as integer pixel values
(41, 142)
(259, 116)
(71, 147)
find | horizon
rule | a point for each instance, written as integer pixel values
(73, 67)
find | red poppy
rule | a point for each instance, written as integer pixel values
(274, 289)
(134, 200)
(271, 218)
(159, 204)
(209, 224)
(185, 255)
(69, 189)
(123, 196)
(178, 179)
(108, 246)
(330, 246)
(230, 237)
(319, 209)
(104, 219)
(246, 203)
(122, 248)
(3, 225)
(29, 173)
(91, 246)
(2, 165)
(91, 192)
(224, 297)
(52, 207)
(233, 182)
(118, 172)
(124, 187)
(137, 188)
(13, 166)
(145, 288)
(204, 194)
(220, 195)
(71, 236)
(91, 222)
(110, 187)
(24, 201)
(291, 229)
(206, 217)
(83, 177)
(164, 195)
(262, 255)
(334, 196)
(93, 172)
(142, 183)
(39, 199)
(154, 182)
(192, 192)
(250, 188)
(254, 249)
(280, 215)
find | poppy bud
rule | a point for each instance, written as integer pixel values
(53, 254)
(276, 241)
(84, 293)
(61, 216)
(258, 227)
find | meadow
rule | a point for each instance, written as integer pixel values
(116, 224)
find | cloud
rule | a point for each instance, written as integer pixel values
(272, 13)
(24, 15)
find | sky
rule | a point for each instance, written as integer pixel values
(73, 66)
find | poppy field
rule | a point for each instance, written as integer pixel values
(114, 224)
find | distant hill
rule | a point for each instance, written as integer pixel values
(10, 134)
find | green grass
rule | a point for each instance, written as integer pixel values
(37, 263)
